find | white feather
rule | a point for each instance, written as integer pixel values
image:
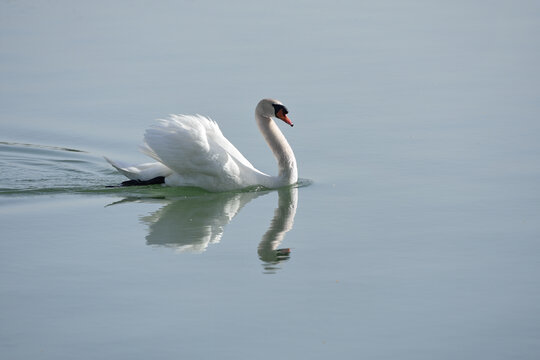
(194, 148)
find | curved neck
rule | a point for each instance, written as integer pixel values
(288, 173)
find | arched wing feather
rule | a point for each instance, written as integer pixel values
(196, 150)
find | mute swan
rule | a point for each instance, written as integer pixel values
(192, 151)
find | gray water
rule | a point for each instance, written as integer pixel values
(413, 233)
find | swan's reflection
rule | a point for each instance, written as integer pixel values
(281, 223)
(190, 224)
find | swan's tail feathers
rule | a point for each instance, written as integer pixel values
(125, 169)
(143, 172)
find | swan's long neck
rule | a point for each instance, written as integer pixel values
(288, 172)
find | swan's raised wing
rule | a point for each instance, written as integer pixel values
(196, 150)
(216, 138)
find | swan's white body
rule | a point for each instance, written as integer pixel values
(191, 151)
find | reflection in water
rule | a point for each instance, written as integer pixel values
(190, 224)
(281, 223)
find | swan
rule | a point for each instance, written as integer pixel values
(191, 151)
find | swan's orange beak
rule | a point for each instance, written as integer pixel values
(284, 117)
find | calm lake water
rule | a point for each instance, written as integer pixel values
(413, 234)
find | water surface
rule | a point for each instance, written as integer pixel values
(414, 233)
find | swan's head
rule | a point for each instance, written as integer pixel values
(273, 108)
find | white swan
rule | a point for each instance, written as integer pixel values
(192, 151)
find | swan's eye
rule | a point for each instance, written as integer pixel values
(278, 107)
